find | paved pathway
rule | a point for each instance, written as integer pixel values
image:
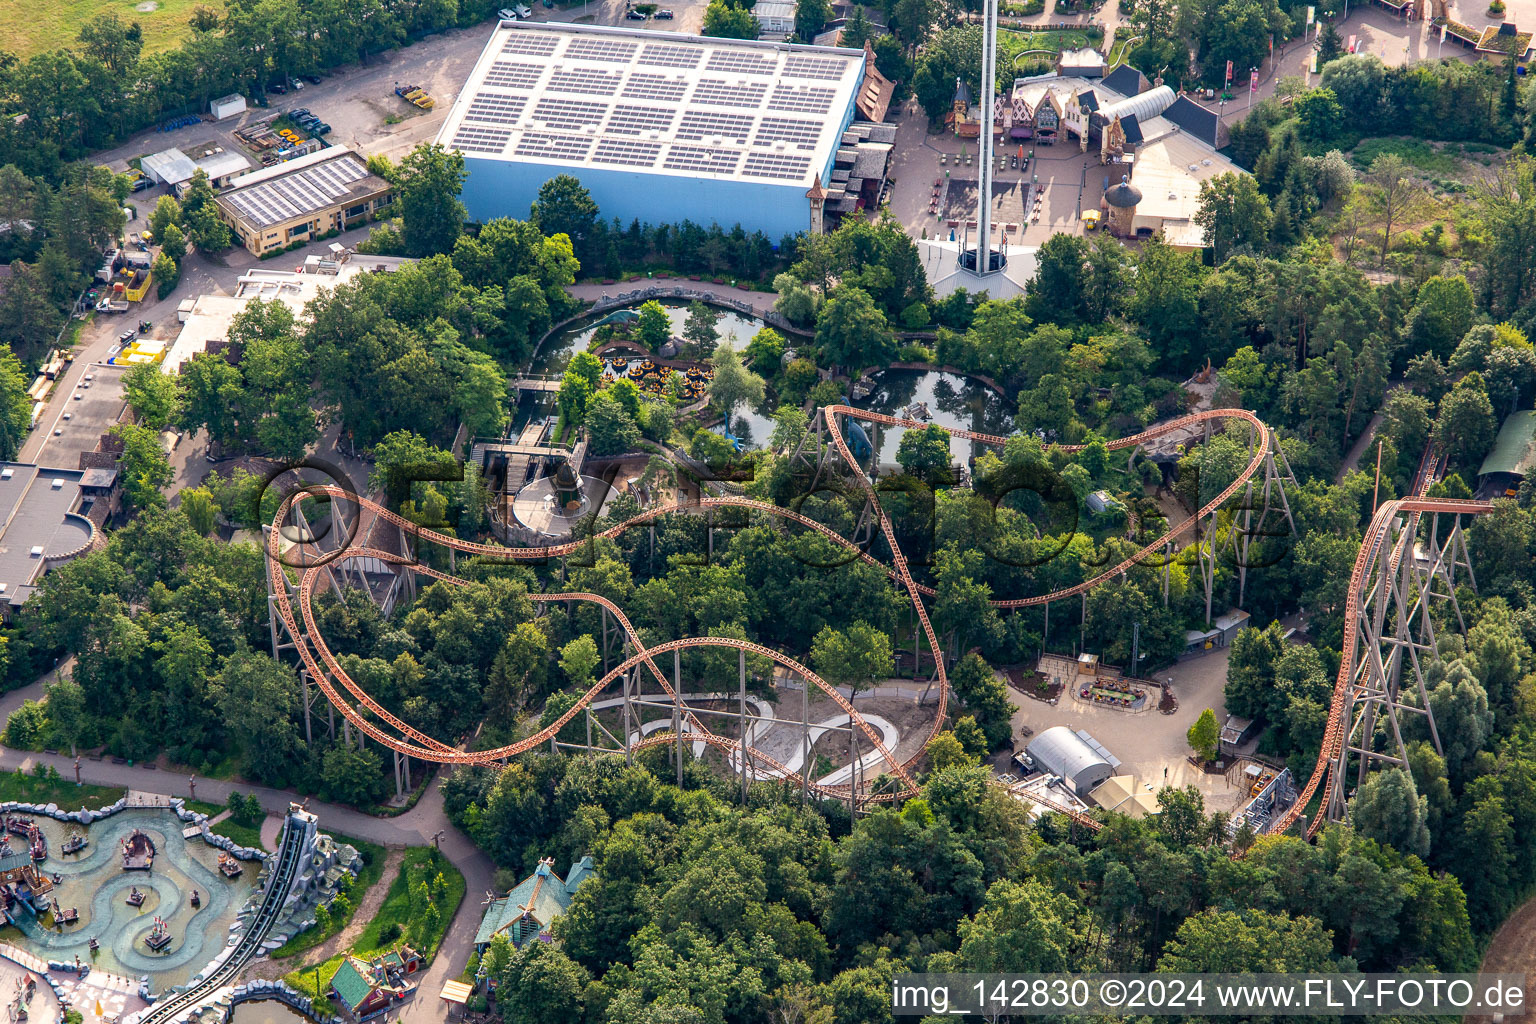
(415, 827)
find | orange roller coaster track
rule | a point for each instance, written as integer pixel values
(364, 713)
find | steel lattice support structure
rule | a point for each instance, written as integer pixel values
(1404, 586)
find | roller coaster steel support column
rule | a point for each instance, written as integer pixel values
(805, 738)
(1395, 615)
(629, 749)
(742, 732)
(677, 710)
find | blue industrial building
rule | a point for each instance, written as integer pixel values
(658, 126)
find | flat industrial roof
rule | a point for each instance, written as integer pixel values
(169, 165)
(657, 102)
(36, 523)
(306, 185)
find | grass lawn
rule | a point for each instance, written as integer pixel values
(315, 979)
(32, 27)
(1415, 152)
(31, 789)
(241, 834)
(1011, 42)
(367, 878)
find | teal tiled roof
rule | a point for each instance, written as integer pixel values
(529, 908)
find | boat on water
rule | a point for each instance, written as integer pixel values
(135, 897)
(138, 852)
(76, 843)
(70, 916)
(230, 867)
(159, 937)
(197, 900)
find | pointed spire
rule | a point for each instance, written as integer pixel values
(816, 191)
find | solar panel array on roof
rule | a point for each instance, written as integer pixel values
(698, 158)
(531, 43)
(734, 61)
(802, 99)
(628, 120)
(561, 147)
(704, 124)
(776, 165)
(495, 108)
(553, 113)
(788, 129)
(602, 49)
(825, 68)
(659, 55)
(690, 105)
(717, 92)
(473, 139)
(513, 75)
(299, 193)
(630, 152)
(585, 80)
(642, 86)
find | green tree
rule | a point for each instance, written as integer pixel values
(733, 384)
(143, 465)
(854, 657)
(985, 696)
(202, 512)
(167, 212)
(153, 394)
(403, 461)
(811, 17)
(1389, 810)
(1247, 941)
(945, 751)
(1321, 116)
(1466, 426)
(852, 331)
(1330, 44)
(565, 207)
(1205, 735)
(166, 272)
(15, 406)
(1234, 214)
(654, 326)
(66, 712)
(541, 985)
(356, 777)
(727, 21)
(173, 242)
(256, 697)
(1022, 927)
(610, 427)
(427, 184)
(1441, 316)
(699, 328)
(578, 660)
(765, 352)
(1251, 671)
(924, 452)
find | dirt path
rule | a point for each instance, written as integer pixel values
(373, 899)
(1512, 951)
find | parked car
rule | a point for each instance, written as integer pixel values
(277, 87)
(522, 10)
(299, 112)
(141, 184)
(507, 14)
(635, 16)
(311, 79)
(663, 15)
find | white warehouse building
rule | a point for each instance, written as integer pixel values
(1076, 757)
(658, 126)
